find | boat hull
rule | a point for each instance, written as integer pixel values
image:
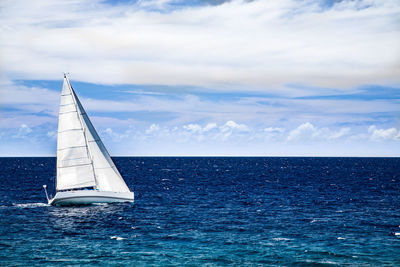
(87, 197)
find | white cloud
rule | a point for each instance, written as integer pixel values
(196, 128)
(233, 126)
(153, 128)
(115, 136)
(274, 133)
(383, 134)
(23, 131)
(256, 44)
(309, 132)
(52, 134)
(209, 127)
(192, 128)
(305, 130)
(197, 132)
(274, 130)
(30, 99)
(338, 134)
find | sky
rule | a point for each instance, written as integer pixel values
(205, 78)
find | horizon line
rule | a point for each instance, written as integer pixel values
(217, 156)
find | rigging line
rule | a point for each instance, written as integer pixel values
(94, 140)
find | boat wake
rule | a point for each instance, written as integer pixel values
(100, 204)
(30, 205)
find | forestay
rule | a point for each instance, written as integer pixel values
(82, 159)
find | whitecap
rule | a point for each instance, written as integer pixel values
(397, 234)
(117, 237)
(329, 262)
(341, 238)
(281, 239)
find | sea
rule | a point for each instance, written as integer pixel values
(209, 211)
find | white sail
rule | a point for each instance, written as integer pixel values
(82, 159)
(74, 166)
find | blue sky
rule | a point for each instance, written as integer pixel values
(163, 77)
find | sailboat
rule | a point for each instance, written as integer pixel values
(86, 173)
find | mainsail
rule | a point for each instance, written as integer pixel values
(82, 159)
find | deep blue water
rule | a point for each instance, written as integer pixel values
(210, 211)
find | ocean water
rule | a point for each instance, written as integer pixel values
(210, 211)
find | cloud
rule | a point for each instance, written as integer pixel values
(23, 131)
(153, 128)
(192, 128)
(274, 130)
(239, 44)
(192, 131)
(31, 99)
(209, 127)
(115, 136)
(275, 133)
(233, 126)
(307, 131)
(383, 134)
(52, 134)
(235, 72)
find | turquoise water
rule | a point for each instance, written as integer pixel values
(210, 211)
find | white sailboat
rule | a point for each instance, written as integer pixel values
(86, 173)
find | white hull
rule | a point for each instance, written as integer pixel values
(86, 197)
